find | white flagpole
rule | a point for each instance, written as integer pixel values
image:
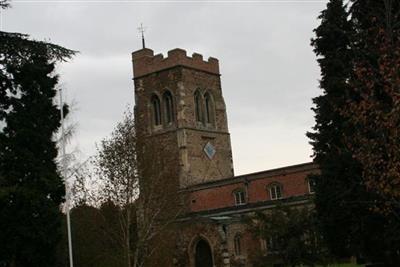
(67, 191)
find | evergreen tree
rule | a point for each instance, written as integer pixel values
(340, 196)
(343, 201)
(338, 170)
(31, 189)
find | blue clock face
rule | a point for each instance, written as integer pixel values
(209, 149)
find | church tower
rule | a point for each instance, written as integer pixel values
(178, 99)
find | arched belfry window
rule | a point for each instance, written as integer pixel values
(168, 107)
(197, 106)
(156, 110)
(209, 108)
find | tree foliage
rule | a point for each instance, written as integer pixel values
(338, 183)
(111, 179)
(375, 113)
(116, 166)
(354, 139)
(108, 184)
(31, 189)
(292, 236)
(96, 237)
(116, 163)
(4, 4)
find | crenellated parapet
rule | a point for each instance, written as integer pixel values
(145, 62)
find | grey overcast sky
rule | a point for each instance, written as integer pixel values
(269, 72)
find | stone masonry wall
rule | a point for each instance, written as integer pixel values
(182, 76)
(144, 61)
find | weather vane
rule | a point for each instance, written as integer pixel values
(142, 30)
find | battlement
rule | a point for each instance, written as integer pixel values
(145, 62)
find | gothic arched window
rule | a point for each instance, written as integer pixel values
(197, 106)
(156, 110)
(168, 107)
(209, 106)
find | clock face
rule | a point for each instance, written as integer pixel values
(209, 149)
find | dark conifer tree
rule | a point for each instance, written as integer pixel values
(31, 189)
(331, 45)
(341, 198)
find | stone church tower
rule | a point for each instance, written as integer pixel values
(181, 122)
(185, 165)
(178, 99)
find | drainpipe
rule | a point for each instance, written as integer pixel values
(246, 184)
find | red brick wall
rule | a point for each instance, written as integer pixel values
(294, 184)
(213, 198)
(220, 196)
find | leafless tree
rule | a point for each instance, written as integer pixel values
(124, 166)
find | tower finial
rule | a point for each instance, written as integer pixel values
(142, 30)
